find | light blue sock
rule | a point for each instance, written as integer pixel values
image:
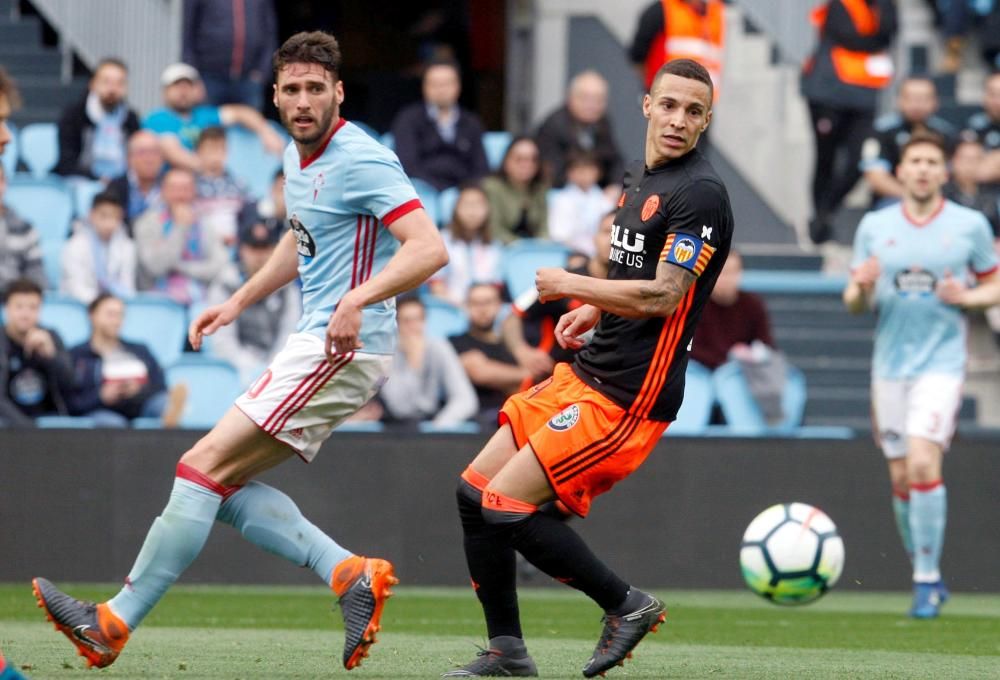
(928, 515)
(901, 509)
(268, 518)
(174, 540)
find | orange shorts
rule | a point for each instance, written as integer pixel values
(585, 442)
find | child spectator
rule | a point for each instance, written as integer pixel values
(474, 257)
(220, 195)
(518, 194)
(99, 257)
(577, 208)
(20, 252)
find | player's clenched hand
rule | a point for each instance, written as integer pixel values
(867, 273)
(211, 320)
(549, 282)
(343, 330)
(950, 290)
(574, 324)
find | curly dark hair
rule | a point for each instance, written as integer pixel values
(309, 47)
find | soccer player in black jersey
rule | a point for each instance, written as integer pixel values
(592, 423)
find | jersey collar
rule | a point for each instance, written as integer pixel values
(925, 221)
(304, 162)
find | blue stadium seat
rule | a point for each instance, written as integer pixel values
(361, 426)
(495, 144)
(521, 259)
(428, 196)
(467, 427)
(66, 316)
(46, 203)
(369, 130)
(247, 160)
(159, 323)
(212, 385)
(70, 422)
(39, 147)
(446, 204)
(443, 318)
(699, 396)
(9, 157)
(83, 196)
(741, 411)
(389, 141)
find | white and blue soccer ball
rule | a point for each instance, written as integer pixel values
(791, 554)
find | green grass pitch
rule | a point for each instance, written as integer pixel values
(290, 632)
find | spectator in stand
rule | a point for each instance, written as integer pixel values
(576, 210)
(35, 371)
(916, 105)
(221, 196)
(986, 125)
(492, 369)
(269, 211)
(473, 255)
(436, 139)
(963, 186)
(20, 251)
(989, 37)
(581, 124)
(518, 194)
(841, 82)
(231, 45)
(732, 321)
(529, 330)
(100, 257)
(184, 115)
(93, 131)
(262, 329)
(139, 188)
(117, 381)
(9, 100)
(679, 29)
(428, 381)
(178, 255)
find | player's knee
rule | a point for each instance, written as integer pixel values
(500, 509)
(922, 471)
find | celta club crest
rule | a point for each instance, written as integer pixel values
(318, 182)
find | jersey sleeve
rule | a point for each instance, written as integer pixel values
(862, 243)
(984, 256)
(698, 222)
(376, 184)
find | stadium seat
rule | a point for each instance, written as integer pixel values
(83, 196)
(389, 141)
(443, 319)
(699, 396)
(467, 427)
(39, 147)
(52, 262)
(446, 204)
(495, 144)
(46, 203)
(66, 316)
(361, 426)
(741, 411)
(212, 385)
(369, 130)
(521, 259)
(69, 422)
(248, 161)
(9, 157)
(428, 196)
(159, 323)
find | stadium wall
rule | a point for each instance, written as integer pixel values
(76, 505)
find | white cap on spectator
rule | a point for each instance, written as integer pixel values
(175, 72)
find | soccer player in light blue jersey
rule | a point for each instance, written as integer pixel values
(359, 237)
(914, 263)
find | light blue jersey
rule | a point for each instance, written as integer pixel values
(340, 201)
(917, 333)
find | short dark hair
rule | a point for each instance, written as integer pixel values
(110, 61)
(312, 47)
(576, 156)
(919, 138)
(107, 198)
(441, 61)
(99, 300)
(686, 68)
(410, 299)
(21, 286)
(213, 133)
(8, 88)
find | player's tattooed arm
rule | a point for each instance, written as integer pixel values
(661, 296)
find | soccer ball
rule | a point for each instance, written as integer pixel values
(791, 554)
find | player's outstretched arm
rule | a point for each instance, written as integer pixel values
(421, 254)
(986, 294)
(632, 299)
(279, 270)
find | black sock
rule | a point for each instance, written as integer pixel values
(492, 566)
(552, 546)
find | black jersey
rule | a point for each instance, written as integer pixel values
(678, 213)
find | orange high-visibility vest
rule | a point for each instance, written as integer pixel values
(689, 34)
(864, 69)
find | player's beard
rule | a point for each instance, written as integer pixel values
(306, 139)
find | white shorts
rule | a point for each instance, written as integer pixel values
(925, 407)
(301, 396)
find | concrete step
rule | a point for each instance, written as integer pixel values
(36, 114)
(32, 62)
(23, 31)
(44, 92)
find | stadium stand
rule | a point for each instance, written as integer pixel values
(9, 157)
(443, 318)
(39, 148)
(247, 160)
(495, 144)
(212, 385)
(522, 258)
(446, 205)
(67, 316)
(741, 411)
(429, 198)
(159, 323)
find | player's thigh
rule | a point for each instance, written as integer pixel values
(923, 460)
(523, 478)
(496, 453)
(889, 409)
(932, 409)
(235, 450)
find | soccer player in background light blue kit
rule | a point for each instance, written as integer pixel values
(349, 203)
(911, 263)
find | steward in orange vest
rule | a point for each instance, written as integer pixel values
(680, 29)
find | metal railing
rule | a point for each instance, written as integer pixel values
(145, 34)
(786, 23)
